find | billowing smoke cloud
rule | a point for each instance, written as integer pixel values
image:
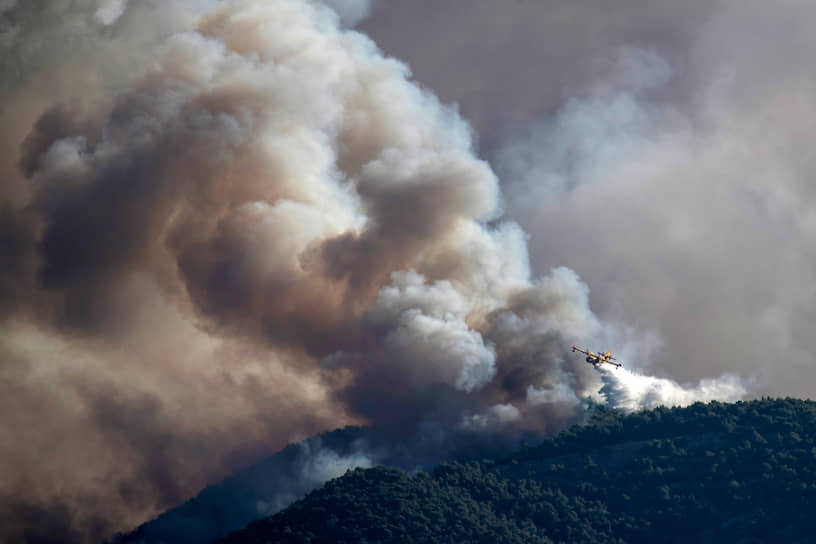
(701, 219)
(240, 226)
(668, 162)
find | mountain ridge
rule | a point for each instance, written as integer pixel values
(705, 473)
(283, 477)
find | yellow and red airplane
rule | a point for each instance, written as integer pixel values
(598, 358)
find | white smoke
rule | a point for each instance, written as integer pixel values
(557, 393)
(427, 332)
(315, 465)
(110, 11)
(499, 416)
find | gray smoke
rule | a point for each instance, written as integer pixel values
(667, 162)
(228, 226)
(700, 219)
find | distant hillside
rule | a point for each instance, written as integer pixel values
(279, 480)
(743, 472)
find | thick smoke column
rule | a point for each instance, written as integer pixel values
(238, 228)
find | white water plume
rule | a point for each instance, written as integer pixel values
(630, 391)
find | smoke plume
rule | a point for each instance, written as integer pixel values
(228, 226)
(661, 153)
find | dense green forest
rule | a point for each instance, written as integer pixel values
(743, 472)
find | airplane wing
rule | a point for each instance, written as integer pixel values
(600, 357)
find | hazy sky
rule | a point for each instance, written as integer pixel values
(228, 226)
(659, 149)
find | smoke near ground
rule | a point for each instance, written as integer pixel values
(278, 480)
(228, 226)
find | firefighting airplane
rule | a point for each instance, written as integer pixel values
(598, 358)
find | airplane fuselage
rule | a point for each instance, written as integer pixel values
(599, 358)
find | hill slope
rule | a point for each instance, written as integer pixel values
(707, 473)
(279, 480)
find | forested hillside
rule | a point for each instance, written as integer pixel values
(277, 481)
(743, 472)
